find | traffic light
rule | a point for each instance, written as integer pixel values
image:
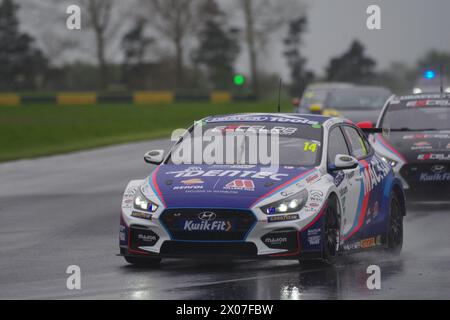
(238, 80)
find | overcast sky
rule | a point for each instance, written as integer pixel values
(409, 29)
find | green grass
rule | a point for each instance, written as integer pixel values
(38, 130)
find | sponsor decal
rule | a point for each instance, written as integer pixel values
(240, 184)
(427, 103)
(372, 212)
(314, 232)
(314, 205)
(435, 177)
(228, 173)
(141, 215)
(312, 178)
(279, 218)
(192, 181)
(316, 196)
(368, 243)
(426, 136)
(275, 241)
(204, 225)
(187, 188)
(343, 191)
(352, 246)
(374, 174)
(422, 145)
(339, 178)
(127, 202)
(245, 129)
(350, 174)
(314, 236)
(256, 118)
(314, 240)
(147, 238)
(433, 156)
(363, 244)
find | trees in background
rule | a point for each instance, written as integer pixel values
(99, 20)
(262, 18)
(22, 65)
(300, 76)
(174, 20)
(218, 46)
(352, 66)
(135, 44)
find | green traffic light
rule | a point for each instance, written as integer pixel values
(239, 80)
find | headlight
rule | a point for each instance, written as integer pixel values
(142, 203)
(292, 203)
(389, 161)
(417, 90)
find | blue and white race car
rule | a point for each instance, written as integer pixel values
(318, 191)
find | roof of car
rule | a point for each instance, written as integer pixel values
(268, 117)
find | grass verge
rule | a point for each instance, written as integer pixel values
(39, 130)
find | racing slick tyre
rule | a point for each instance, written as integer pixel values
(395, 227)
(331, 232)
(143, 262)
(330, 237)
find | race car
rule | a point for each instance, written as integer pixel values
(414, 139)
(356, 103)
(316, 192)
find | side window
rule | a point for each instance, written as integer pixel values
(358, 144)
(336, 144)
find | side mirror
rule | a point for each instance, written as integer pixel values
(154, 156)
(365, 125)
(344, 162)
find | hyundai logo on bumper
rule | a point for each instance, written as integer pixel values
(207, 216)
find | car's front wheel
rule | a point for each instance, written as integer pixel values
(143, 262)
(395, 227)
(330, 236)
(330, 233)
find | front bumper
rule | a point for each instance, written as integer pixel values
(424, 184)
(252, 236)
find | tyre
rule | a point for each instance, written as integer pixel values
(330, 237)
(331, 233)
(143, 262)
(395, 226)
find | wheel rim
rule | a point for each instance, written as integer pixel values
(396, 225)
(331, 233)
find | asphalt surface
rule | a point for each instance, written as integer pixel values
(64, 210)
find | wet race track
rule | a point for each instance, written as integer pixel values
(64, 210)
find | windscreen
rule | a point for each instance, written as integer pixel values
(250, 143)
(354, 98)
(423, 114)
